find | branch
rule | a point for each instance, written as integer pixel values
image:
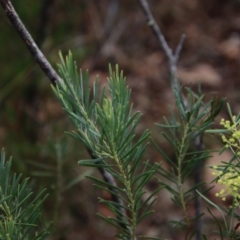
(108, 178)
(28, 40)
(53, 77)
(172, 57)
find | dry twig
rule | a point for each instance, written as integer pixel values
(171, 56)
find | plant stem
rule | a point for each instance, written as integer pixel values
(130, 196)
(171, 55)
(180, 158)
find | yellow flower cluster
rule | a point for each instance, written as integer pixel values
(231, 182)
(233, 138)
(228, 176)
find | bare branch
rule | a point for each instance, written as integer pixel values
(179, 47)
(172, 57)
(108, 178)
(156, 30)
(28, 40)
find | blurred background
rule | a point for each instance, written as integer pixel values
(32, 123)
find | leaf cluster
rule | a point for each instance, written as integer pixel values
(19, 211)
(106, 124)
(184, 132)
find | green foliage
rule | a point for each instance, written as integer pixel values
(19, 212)
(184, 132)
(106, 125)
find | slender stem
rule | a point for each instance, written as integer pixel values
(108, 178)
(180, 158)
(130, 196)
(172, 57)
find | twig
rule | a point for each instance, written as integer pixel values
(54, 78)
(28, 40)
(172, 57)
(108, 178)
